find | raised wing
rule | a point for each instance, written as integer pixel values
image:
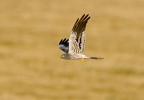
(77, 36)
(64, 45)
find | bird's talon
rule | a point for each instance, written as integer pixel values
(83, 60)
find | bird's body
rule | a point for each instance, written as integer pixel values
(69, 56)
(75, 45)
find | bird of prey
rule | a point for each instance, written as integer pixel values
(75, 45)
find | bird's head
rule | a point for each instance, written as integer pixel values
(64, 56)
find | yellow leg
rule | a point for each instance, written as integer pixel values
(83, 60)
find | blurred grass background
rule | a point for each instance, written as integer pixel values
(30, 64)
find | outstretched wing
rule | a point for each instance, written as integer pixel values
(64, 45)
(77, 36)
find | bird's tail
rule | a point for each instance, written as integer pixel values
(96, 58)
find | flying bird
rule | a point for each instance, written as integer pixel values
(75, 45)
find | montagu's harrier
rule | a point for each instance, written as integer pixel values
(74, 46)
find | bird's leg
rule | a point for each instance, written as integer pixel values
(83, 60)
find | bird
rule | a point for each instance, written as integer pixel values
(73, 47)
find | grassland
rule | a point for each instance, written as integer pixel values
(30, 64)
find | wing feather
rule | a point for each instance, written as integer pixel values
(64, 45)
(77, 36)
(73, 44)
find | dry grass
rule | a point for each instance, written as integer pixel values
(30, 64)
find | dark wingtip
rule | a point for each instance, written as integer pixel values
(80, 23)
(62, 41)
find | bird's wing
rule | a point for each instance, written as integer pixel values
(64, 45)
(77, 36)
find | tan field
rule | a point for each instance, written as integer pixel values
(30, 63)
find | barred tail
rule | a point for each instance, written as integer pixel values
(96, 58)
